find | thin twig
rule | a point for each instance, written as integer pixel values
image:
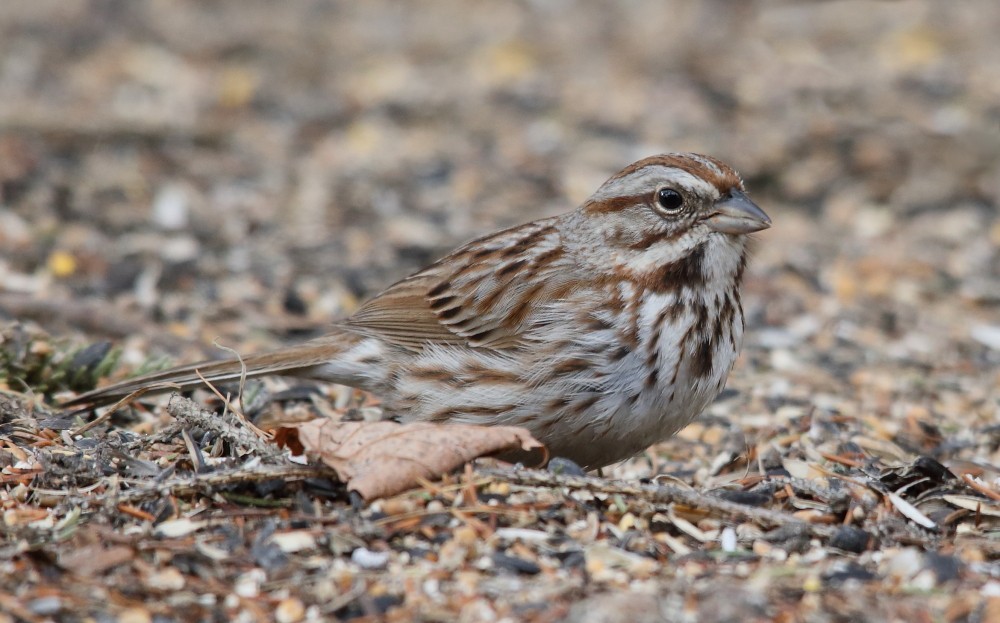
(229, 428)
(663, 495)
(205, 483)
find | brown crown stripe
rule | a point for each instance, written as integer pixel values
(724, 181)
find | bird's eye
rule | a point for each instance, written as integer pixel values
(669, 199)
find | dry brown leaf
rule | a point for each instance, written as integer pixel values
(95, 558)
(378, 459)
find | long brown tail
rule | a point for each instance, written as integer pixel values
(302, 360)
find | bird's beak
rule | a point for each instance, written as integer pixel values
(736, 214)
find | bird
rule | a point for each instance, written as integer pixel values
(602, 330)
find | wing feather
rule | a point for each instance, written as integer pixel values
(484, 294)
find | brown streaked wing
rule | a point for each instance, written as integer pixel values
(402, 316)
(474, 297)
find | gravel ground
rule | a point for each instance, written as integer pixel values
(177, 173)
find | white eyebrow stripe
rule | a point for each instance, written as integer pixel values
(639, 181)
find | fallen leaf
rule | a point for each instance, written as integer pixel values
(95, 559)
(379, 459)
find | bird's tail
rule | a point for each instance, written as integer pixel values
(328, 358)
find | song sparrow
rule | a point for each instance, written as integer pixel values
(602, 330)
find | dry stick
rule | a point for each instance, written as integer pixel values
(228, 427)
(243, 379)
(227, 405)
(203, 483)
(971, 481)
(663, 494)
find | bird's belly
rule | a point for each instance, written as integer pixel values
(638, 408)
(589, 403)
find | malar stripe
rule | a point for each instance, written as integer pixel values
(649, 239)
(683, 273)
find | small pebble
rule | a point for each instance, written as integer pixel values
(850, 539)
(289, 610)
(515, 564)
(367, 559)
(728, 540)
(987, 335)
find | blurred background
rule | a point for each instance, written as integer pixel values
(175, 171)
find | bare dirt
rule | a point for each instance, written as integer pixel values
(174, 174)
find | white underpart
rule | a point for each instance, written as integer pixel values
(361, 365)
(667, 407)
(629, 415)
